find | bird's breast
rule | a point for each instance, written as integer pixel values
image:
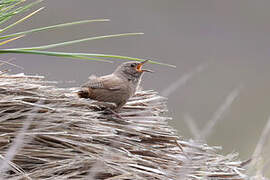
(132, 87)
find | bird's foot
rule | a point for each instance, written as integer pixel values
(114, 116)
(103, 105)
(110, 111)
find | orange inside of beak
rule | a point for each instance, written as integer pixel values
(139, 67)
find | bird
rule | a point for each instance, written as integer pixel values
(115, 88)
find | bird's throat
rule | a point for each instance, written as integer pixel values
(131, 77)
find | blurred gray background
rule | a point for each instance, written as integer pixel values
(231, 37)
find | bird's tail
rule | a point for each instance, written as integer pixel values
(83, 93)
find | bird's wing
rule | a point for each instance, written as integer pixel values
(110, 82)
(94, 82)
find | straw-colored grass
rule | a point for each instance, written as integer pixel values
(49, 133)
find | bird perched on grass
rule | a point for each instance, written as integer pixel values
(117, 87)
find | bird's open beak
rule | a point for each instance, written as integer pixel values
(140, 65)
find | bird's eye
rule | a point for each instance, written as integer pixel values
(132, 65)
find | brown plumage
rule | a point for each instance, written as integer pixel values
(117, 87)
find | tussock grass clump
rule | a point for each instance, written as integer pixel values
(49, 133)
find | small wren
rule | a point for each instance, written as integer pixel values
(117, 87)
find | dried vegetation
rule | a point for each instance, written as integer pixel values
(48, 133)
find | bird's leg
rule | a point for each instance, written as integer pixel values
(116, 109)
(119, 106)
(104, 105)
(114, 113)
(109, 108)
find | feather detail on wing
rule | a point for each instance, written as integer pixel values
(108, 82)
(94, 83)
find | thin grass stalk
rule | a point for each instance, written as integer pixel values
(21, 20)
(258, 162)
(53, 27)
(220, 113)
(182, 80)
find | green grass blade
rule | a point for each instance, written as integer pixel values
(4, 16)
(77, 41)
(21, 20)
(56, 54)
(20, 9)
(53, 27)
(4, 20)
(80, 55)
(5, 4)
(129, 58)
(10, 40)
(11, 5)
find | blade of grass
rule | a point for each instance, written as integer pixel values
(9, 40)
(17, 144)
(14, 166)
(182, 80)
(56, 54)
(53, 27)
(79, 55)
(221, 112)
(19, 10)
(2, 20)
(9, 63)
(77, 41)
(90, 58)
(129, 58)
(9, 7)
(257, 162)
(21, 20)
(8, 2)
(195, 131)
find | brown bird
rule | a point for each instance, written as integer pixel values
(117, 87)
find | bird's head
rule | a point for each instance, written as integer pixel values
(132, 69)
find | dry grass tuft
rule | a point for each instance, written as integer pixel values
(64, 137)
(259, 162)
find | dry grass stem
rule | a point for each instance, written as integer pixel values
(220, 113)
(196, 133)
(217, 116)
(258, 163)
(56, 135)
(182, 80)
